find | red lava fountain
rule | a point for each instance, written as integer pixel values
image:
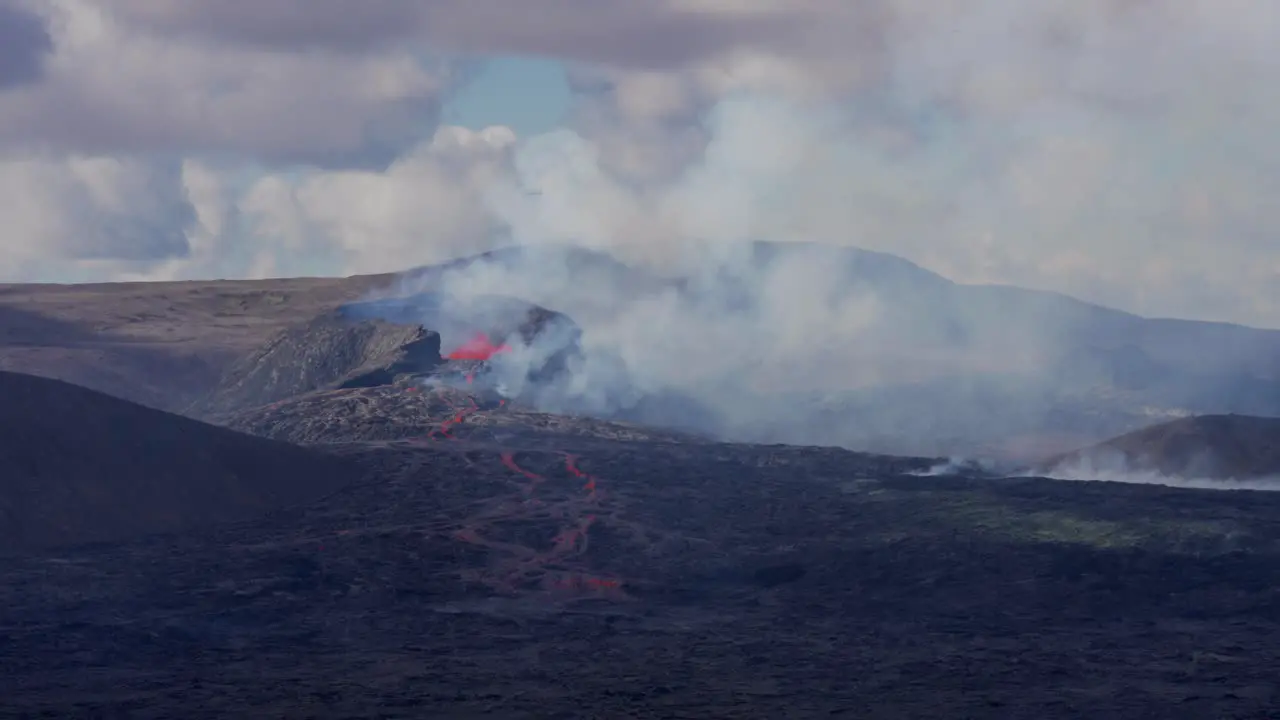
(479, 347)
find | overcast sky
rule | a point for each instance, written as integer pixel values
(1123, 151)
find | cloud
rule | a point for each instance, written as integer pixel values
(428, 206)
(91, 213)
(273, 24)
(1119, 150)
(125, 155)
(24, 45)
(634, 33)
(1113, 150)
(111, 88)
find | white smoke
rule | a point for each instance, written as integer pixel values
(1102, 465)
(1088, 470)
(1024, 162)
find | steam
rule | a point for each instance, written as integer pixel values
(1106, 466)
(767, 343)
(961, 466)
(808, 344)
(985, 161)
(800, 342)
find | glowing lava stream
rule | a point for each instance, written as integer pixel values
(458, 419)
(509, 459)
(529, 564)
(479, 347)
(571, 464)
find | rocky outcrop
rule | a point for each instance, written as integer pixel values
(331, 351)
(379, 342)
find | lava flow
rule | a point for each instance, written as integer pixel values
(459, 418)
(509, 459)
(578, 514)
(479, 347)
(571, 464)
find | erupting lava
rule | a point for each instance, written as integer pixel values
(479, 347)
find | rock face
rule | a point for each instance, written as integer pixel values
(79, 466)
(1221, 447)
(331, 351)
(380, 342)
(552, 337)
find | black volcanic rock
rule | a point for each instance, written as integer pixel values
(411, 412)
(331, 351)
(79, 466)
(485, 579)
(1236, 447)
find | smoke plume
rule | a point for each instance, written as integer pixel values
(1116, 468)
(730, 237)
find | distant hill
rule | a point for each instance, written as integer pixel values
(79, 466)
(161, 344)
(1221, 447)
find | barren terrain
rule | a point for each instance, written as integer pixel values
(560, 572)
(160, 344)
(481, 558)
(78, 466)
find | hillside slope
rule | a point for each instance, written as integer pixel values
(1220, 447)
(324, 353)
(162, 344)
(79, 466)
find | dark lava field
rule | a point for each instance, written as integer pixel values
(406, 543)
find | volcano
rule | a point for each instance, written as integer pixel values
(482, 328)
(369, 536)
